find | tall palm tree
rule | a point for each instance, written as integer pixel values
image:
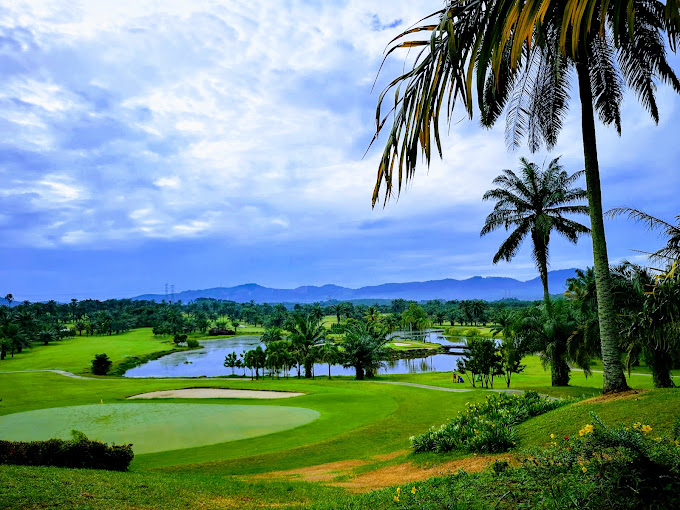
(534, 203)
(520, 55)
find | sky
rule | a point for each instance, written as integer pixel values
(203, 144)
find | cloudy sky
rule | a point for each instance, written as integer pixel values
(203, 143)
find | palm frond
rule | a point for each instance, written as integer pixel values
(605, 81)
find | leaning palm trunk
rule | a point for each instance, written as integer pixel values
(614, 379)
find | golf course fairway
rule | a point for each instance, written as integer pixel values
(153, 427)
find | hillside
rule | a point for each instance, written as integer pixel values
(489, 288)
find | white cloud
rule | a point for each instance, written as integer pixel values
(245, 120)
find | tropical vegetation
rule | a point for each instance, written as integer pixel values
(519, 58)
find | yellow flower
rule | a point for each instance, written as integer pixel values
(584, 469)
(396, 498)
(646, 429)
(414, 490)
(637, 425)
(398, 490)
(552, 436)
(588, 428)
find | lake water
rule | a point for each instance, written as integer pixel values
(208, 361)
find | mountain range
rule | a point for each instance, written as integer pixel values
(490, 288)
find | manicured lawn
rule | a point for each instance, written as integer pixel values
(75, 354)
(354, 421)
(411, 344)
(154, 427)
(358, 419)
(536, 378)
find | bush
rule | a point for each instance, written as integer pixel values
(487, 427)
(622, 467)
(179, 339)
(192, 343)
(676, 429)
(80, 452)
(101, 364)
(221, 331)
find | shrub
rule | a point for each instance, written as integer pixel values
(192, 343)
(622, 467)
(178, 339)
(487, 427)
(79, 452)
(101, 364)
(221, 331)
(676, 429)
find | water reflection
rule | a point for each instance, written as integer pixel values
(209, 361)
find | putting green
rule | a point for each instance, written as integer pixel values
(155, 427)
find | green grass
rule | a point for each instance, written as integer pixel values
(357, 421)
(411, 344)
(80, 489)
(357, 418)
(658, 408)
(154, 427)
(75, 354)
(536, 378)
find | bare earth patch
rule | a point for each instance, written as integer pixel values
(216, 393)
(320, 473)
(341, 474)
(408, 473)
(624, 395)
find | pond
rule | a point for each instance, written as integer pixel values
(208, 361)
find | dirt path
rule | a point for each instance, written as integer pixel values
(353, 476)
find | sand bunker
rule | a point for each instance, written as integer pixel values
(216, 393)
(401, 344)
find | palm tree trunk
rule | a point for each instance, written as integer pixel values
(541, 260)
(614, 380)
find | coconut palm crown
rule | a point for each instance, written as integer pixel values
(519, 57)
(535, 203)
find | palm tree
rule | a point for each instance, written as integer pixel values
(654, 332)
(306, 332)
(364, 348)
(670, 252)
(231, 360)
(338, 309)
(270, 335)
(372, 314)
(520, 55)
(535, 203)
(330, 354)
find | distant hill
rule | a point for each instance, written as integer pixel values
(489, 288)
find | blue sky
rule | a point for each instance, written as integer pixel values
(218, 143)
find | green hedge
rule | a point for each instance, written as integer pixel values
(80, 452)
